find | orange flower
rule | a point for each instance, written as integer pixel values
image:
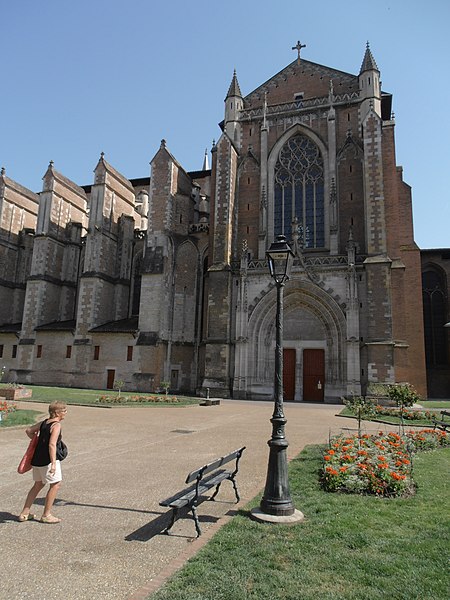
(326, 457)
(331, 452)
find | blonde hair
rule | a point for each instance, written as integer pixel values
(55, 408)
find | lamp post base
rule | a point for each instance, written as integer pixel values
(258, 515)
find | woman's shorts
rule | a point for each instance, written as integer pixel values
(43, 473)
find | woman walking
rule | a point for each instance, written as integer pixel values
(46, 466)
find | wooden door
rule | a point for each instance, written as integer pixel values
(288, 374)
(313, 375)
(111, 376)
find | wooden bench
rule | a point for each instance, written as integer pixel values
(442, 423)
(207, 477)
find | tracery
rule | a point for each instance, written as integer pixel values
(299, 191)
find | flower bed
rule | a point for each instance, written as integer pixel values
(6, 408)
(376, 464)
(409, 415)
(116, 399)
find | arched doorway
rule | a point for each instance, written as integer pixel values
(313, 344)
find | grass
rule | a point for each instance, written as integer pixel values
(350, 547)
(388, 419)
(20, 417)
(89, 397)
(436, 404)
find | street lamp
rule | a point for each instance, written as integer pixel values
(276, 504)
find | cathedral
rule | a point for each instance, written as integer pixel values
(163, 280)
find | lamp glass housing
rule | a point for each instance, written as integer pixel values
(280, 258)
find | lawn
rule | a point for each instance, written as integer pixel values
(349, 547)
(90, 397)
(20, 417)
(442, 404)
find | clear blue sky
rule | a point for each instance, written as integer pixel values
(84, 76)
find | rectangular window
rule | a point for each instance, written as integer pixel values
(96, 352)
(130, 353)
(14, 351)
(1, 350)
(39, 351)
(68, 351)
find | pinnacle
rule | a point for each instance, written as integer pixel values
(234, 89)
(368, 63)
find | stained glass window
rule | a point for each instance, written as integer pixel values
(299, 191)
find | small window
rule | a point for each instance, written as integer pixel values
(130, 353)
(39, 351)
(68, 351)
(1, 350)
(14, 351)
(298, 97)
(96, 352)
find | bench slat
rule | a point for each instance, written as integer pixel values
(184, 497)
(213, 465)
(440, 422)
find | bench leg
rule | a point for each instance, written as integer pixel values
(216, 491)
(196, 521)
(172, 521)
(235, 490)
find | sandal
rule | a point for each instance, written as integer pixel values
(28, 517)
(50, 519)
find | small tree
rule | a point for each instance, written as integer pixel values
(118, 385)
(404, 395)
(362, 407)
(165, 386)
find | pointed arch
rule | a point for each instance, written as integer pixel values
(185, 292)
(312, 318)
(136, 281)
(435, 311)
(298, 185)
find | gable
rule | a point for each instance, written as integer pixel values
(307, 78)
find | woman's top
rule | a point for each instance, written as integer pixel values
(41, 456)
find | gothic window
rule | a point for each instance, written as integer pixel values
(299, 192)
(434, 314)
(136, 285)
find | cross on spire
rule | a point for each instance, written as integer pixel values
(298, 47)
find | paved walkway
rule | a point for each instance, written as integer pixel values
(122, 461)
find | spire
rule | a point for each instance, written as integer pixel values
(368, 63)
(206, 166)
(234, 89)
